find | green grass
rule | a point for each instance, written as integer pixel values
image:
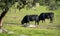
(30, 31)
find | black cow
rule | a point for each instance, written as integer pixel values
(29, 18)
(48, 15)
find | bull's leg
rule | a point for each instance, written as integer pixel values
(35, 22)
(42, 21)
(28, 23)
(38, 23)
(51, 20)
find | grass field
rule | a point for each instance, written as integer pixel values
(30, 31)
(14, 16)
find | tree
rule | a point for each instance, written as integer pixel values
(6, 5)
(29, 3)
(2, 15)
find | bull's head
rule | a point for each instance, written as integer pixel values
(22, 22)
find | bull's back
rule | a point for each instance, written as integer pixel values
(33, 17)
(49, 15)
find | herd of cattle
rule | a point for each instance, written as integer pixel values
(36, 18)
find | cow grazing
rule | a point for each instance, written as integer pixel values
(48, 15)
(29, 18)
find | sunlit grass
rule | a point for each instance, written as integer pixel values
(30, 31)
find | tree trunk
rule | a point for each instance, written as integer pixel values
(2, 15)
(0, 24)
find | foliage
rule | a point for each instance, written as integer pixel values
(30, 3)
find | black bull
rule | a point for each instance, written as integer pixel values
(29, 18)
(44, 16)
(37, 18)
